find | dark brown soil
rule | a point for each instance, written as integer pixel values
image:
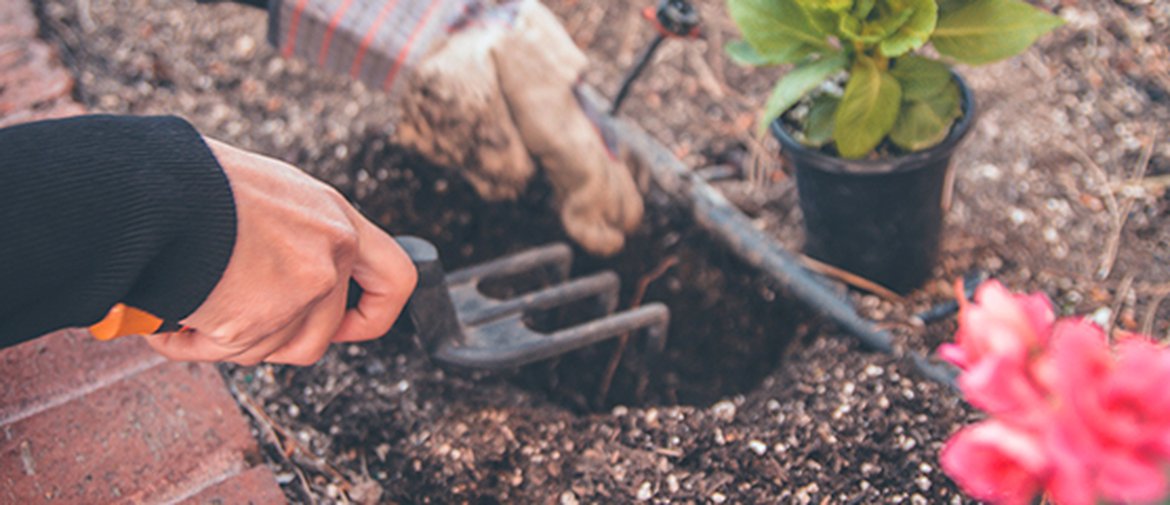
(754, 400)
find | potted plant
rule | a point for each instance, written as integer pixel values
(869, 121)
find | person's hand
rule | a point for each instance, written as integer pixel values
(282, 297)
(485, 87)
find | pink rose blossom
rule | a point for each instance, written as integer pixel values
(1003, 385)
(995, 462)
(998, 323)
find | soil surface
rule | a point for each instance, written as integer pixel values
(1062, 188)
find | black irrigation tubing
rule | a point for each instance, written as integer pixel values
(634, 72)
(730, 226)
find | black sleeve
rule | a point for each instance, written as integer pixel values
(96, 210)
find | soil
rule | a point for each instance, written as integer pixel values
(1061, 188)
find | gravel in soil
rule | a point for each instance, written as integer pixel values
(1061, 188)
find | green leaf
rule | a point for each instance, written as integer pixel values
(983, 31)
(873, 32)
(828, 5)
(862, 8)
(923, 123)
(744, 54)
(779, 30)
(921, 78)
(913, 33)
(794, 85)
(818, 128)
(825, 21)
(945, 6)
(868, 109)
(930, 103)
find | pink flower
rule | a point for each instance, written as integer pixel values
(1003, 385)
(1071, 415)
(996, 462)
(1139, 390)
(1126, 477)
(998, 323)
(1115, 412)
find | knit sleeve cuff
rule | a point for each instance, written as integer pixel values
(198, 196)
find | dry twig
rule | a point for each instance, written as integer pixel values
(639, 293)
(1118, 300)
(1109, 255)
(269, 427)
(1152, 312)
(852, 279)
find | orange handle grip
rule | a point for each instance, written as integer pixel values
(124, 320)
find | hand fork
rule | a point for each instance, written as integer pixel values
(459, 324)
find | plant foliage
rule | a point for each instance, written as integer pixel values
(891, 91)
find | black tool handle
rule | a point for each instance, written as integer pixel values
(430, 307)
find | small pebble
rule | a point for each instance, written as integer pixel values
(724, 410)
(644, 492)
(718, 497)
(568, 498)
(758, 447)
(918, 499)
(909, 444)
(923, 482)
(672, 483)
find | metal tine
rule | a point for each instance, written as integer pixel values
(603, 285)
(556, 255)
(507, 343)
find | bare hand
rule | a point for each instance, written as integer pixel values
(282, 297)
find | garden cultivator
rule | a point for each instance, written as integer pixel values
(460, 324)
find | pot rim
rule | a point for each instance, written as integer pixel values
(795, 151)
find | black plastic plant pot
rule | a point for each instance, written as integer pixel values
(879, 219)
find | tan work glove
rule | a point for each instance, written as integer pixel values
(483, 88)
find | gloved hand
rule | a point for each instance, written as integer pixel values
(486, 89)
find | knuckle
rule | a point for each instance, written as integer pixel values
(320, 279)
(409, 280)
(345, 246)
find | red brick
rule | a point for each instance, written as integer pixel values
(16, 20)
(56, 109)
(161, 435)
(35, 82)
(51, 370)
(13, 54)
(254, 486)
